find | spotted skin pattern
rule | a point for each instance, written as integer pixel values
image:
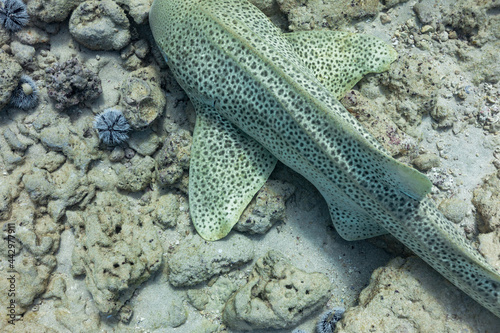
(340, 68)
(239, 69)
(223, 145)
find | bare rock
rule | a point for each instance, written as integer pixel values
(173, 159)
(197, 260)
(426, 162)
(328, 13)
(135, 175)
(454, 209)
(51, 10)
(407, 295)
(167, 210)
(100, 25)
(277, 296)
(116, 248)
(266, 208)
(142, 98)
(489, 246)
(10, 73)
(486, 199)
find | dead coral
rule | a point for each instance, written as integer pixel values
(70, 83)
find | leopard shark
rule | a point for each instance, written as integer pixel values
(261, 95)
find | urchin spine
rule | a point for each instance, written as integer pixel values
(329, 319)
(13, 15)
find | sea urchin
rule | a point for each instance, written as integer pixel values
(13, 14)
(112, 127)
(25, 96)
(329, 319)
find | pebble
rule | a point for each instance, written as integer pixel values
(384, 18)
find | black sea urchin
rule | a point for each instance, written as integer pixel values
(13, 14)
(25, 96)
(112, 127)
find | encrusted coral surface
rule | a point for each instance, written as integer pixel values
(71, 82)
(115, 249)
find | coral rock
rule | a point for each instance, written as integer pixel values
(267, 207)
(10, 73)
(100, 25)
(277, 296)
(198, 260)
(70, 83)
(409, 296)
(142, 98)
(116, 248)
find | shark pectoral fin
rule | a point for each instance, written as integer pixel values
(227, 168)
(340, 59)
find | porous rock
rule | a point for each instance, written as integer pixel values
(142, 98)
(414, 95)
(50, 161)
(173, 159)
(39, 186)
(32, 277)
(137, 9)
(167, 210)
(10, 73)
(36, 240)
(5, 200)
(12, 139)
(116, 248)
(38, 233)
(326, 13)
(277, 296)
(70, 83)
(63, 137)
(51, 10)
(135, 175)
(212, 297)
(489, 246)
(379, 124)
(486, 199)
(197, 260)
(266, 208)
(100, 25)
(71, 190)
(407, 295)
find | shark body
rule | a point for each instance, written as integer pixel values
(262, 96)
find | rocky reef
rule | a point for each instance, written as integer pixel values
(98, 237)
